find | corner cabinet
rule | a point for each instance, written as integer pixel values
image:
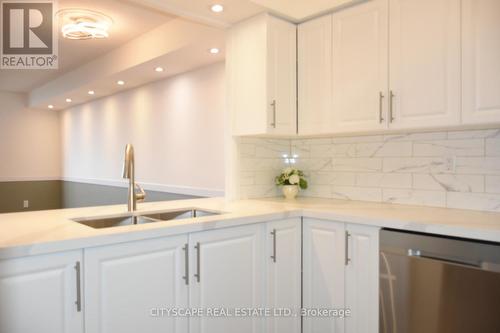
(480, 61)
(340, 266)
(41, 294)
(261, 75)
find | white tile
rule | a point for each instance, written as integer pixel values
(449, 182)
(321, 151)
(247, 178)
(247, 150)
(492, 184)
(384, 180)
(258, 191)
(319, 177)
(478, 165)
(416, 136)
(265, 177)
(314, 164)
(343, 178)
(471, 147)
(415, 197)
(357, 193)
(474, 134)
(316, 191)
(260, 164)
(476, 201)
(414, 164)
(493, 147)
(357, 164)
(357, 139)
(383, 149)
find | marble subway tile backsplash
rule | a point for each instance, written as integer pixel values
(456, 169)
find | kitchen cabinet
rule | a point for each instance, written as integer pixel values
(323, 276)
(360, 66)
(125, 282)
(261, 71)
(480, 61)
(283, 278)
(315, 76)
(424, 87)
(227, 271)
(362, 279)
(340, 264)
(41, 294)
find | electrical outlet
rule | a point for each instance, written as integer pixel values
(451, 163)
(26, 204)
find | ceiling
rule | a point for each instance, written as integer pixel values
(129, 20)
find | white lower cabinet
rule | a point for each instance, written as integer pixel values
(227, 271)
(41, 294)
(124, 283)
(283, 287)
(340, 271)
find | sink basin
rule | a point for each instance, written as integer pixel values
(180, 214)
(109, 222)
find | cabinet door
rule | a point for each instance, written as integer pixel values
(323, 273)
(315, 76)
(360, 67)
(282, 74)
(425, 63)
(39, 294)
(361, 279)
(283, 282)
(480, 61)
(227, 268)
(125, 283)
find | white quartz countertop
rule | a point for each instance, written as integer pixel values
(41, 232)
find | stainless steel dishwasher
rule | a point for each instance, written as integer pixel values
(434, 284)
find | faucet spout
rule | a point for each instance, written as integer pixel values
(129, 173)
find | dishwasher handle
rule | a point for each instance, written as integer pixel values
(421, 254)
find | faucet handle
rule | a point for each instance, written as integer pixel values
(141, 196)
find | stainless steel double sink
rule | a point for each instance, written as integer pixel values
(117, 221)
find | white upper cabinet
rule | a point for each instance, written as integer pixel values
(125, 282)
(362, 279)
(315, 76)
(425, 63)
(42, 294)
(481, 61)
(359, 67)
(283, 288)
(227, 271)
(261, 71)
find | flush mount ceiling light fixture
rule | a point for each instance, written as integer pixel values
(84, 24)
(214, 50)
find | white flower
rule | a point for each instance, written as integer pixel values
(294, 179)
(287, 171)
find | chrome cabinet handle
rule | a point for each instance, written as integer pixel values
(273, 233)
(273, 105)
(391, 101)
(347, 259)
(380, 107)
(78, 301)
(186, 263)
(198, 263)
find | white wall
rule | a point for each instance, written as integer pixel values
(176, 126)
(29, 141)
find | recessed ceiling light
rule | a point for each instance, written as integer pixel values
(214, 50)
(159, 69)
(50, 106)
(69, 100)
(91, 92)
(120, 82)
(217, 8)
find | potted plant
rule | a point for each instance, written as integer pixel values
(291, 179)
